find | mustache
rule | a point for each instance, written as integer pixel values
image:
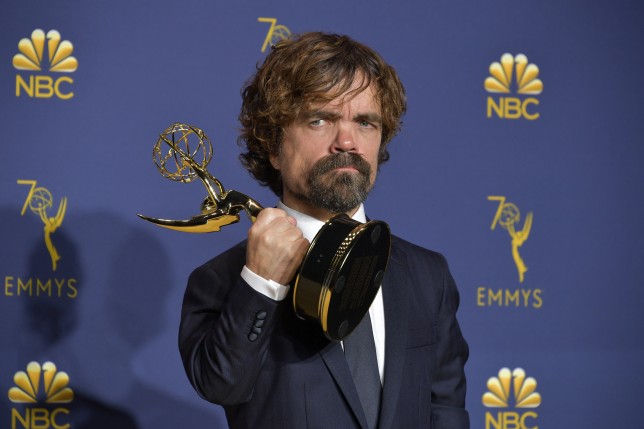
(341, 160)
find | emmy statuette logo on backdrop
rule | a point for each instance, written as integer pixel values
(39, 201)
(508, 216)
(275, 32)
(40, 284)
(344, 266)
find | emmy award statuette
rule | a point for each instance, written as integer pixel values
(343, 268)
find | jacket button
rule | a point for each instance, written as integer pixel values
(252, 336)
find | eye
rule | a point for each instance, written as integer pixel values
(367, 124)
(317, 122)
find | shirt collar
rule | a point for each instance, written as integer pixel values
(310, 225)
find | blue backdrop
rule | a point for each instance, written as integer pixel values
(535, 198)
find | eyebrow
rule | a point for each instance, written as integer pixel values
(329, 115)
(373, 118)
(322, 114)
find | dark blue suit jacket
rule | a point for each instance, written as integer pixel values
(288, 375)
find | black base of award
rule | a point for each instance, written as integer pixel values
(341, 274)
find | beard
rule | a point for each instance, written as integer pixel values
(338, 191)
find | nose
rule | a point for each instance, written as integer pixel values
(345, 140)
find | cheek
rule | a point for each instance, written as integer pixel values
(292, 169)
(373, 162)
(299, 162)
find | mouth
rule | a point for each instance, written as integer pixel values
(346, 168)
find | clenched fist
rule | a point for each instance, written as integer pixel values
(276, 246)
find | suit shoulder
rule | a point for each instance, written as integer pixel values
(416, 251)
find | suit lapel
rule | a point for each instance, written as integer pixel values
(395, 286)
(333, 357)
(394, 291)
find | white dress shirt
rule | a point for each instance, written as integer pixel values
(310, 227)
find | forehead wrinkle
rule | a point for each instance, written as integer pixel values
(335, 108)
(344, 91)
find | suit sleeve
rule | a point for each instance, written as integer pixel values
(224, 331)
(449, 386)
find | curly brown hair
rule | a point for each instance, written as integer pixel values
(312, 67)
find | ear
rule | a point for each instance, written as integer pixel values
(274, 159)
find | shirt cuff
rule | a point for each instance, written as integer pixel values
(268, 288)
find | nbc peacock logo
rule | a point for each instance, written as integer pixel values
(513, 73)
(511, 389)
(45, 51)
(38, 385)
(55, 385)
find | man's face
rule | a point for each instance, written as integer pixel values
(329, 155)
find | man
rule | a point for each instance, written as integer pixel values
(317, 118)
